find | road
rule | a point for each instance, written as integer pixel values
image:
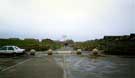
(41, 67)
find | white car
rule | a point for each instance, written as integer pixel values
(11, 50)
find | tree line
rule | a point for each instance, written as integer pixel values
(118, 45)
(29, 44)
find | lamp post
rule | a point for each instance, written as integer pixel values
(64, 40)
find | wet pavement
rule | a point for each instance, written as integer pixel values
(8, 61)
(83, 66)
(36, 67)
(72, 66)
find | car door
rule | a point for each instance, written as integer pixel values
(3, 50)
(10, 50)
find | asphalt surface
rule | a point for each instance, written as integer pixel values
(82, 66)
(71, 66)
(38, 67)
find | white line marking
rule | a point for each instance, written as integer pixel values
(15, 65)
(64, 67)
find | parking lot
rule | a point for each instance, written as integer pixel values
(7, 61)
(69, 66)
(83, 66)
(33, 67)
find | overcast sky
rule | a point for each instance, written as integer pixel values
(78, 19)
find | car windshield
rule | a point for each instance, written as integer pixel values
(3, 48)
(16, 47)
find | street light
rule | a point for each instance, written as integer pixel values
(64, 40)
